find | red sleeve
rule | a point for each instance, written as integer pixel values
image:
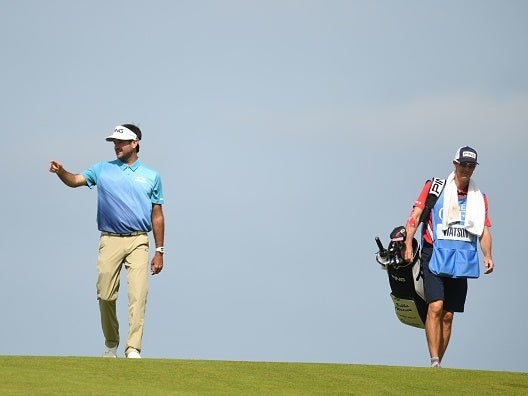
(487, 221)
(420, 201)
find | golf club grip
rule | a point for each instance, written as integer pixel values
(380, 245)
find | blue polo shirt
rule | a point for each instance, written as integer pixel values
(125, 195)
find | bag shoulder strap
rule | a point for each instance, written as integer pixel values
(437, 186)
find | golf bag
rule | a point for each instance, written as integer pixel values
(405, 279)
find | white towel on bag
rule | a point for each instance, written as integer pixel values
(475, 208)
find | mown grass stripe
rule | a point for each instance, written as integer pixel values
(23, 375)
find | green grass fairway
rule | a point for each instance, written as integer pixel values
(23, 375)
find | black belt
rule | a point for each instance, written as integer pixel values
(133, 233)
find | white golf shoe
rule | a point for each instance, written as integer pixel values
(133, 354)
(110, 352)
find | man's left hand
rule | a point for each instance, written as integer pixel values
(157, 263)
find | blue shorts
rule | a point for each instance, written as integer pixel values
(452, 291)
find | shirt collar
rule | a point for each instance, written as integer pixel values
(133, 167)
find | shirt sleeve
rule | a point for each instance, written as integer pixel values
(157, 192)
(91, 175)
(420, 201)
(487, 221)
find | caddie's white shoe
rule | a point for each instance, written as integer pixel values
(110, 352)
(133, 354)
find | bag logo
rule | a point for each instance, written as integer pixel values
(437, 186)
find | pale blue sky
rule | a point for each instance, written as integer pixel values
(288, 134)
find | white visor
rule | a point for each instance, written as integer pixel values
(122, 133)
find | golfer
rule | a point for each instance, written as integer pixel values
(129, 205)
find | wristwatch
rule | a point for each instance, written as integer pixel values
(160, 249)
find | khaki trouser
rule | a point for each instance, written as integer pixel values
(133, 252)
